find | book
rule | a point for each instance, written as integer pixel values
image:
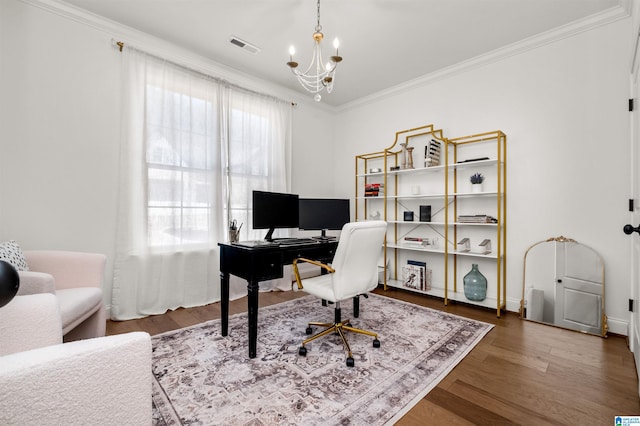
(432, 154)
(411, 277)
(424, 283)
(416, 241)
(373, 189)
(478, 218)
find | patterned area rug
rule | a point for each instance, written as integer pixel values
(202, 378)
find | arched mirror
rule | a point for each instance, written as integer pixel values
(563, 285)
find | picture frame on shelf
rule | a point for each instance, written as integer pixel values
(425, 213)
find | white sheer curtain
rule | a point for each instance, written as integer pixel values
(191, 151)
(255, 125)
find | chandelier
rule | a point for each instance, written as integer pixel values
(318, 76)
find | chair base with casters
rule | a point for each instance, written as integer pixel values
(352, 273)
(337, 327)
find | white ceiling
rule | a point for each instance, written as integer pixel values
(383, 42)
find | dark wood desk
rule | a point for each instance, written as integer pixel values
(261, 263)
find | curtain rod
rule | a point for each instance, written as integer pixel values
(120, 45)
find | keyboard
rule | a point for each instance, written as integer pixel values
(294, 241)
(282, 242)
(256, 243)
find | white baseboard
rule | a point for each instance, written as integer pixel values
(618, 326)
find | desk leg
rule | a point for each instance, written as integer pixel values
(224, 303)
(253, 288)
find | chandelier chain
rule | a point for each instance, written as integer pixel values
(318, 26)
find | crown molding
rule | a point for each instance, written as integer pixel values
(162, 48)
(569, 30)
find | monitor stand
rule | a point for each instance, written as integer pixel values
(323, 236)
(269, 236)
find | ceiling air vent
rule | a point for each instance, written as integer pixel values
(248, 47)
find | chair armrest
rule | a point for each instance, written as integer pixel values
(32, 282)
(30, 322)
(313, 262)
(69, 269)
(104, 380)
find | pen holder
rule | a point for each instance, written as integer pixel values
(234, 235)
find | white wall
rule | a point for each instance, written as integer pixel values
(59, 132)
(313, 152)
(60, 123)
(563, 108)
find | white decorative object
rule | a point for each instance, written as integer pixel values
(464, 245)
(485, 246)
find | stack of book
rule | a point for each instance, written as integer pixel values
(432, 154)
(415, 275)
(477, 218)
(416, 241)
(374, 189)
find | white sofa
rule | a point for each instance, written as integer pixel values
(101, 381)
(76, 279)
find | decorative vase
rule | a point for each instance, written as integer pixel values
(409, 157)
(475, 284)
(476, 187)
(403, 164)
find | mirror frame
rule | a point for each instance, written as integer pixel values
(561, 239)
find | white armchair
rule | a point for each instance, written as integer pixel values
(76, 279)
(104, 381)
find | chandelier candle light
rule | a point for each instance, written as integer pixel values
(319, 75)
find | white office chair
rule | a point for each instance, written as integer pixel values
(354, 271)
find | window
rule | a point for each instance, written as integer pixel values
(248, 162)
(180, 130)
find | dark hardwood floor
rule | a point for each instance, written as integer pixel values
(520, 373)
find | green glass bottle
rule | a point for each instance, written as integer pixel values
(475, 285)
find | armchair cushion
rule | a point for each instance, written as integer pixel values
(78, 304)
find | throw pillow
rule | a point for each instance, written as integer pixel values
(11, 252)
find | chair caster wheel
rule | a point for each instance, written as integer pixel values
(309, 330)
(376, 343)
(350, 362)
(302, 351)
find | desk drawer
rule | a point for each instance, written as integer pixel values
(322, 254)
(268, 266)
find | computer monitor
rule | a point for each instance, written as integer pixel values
(322, 214)
(273, 210)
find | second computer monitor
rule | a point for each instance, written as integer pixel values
(322, 214)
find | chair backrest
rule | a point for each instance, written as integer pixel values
(356, 258)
